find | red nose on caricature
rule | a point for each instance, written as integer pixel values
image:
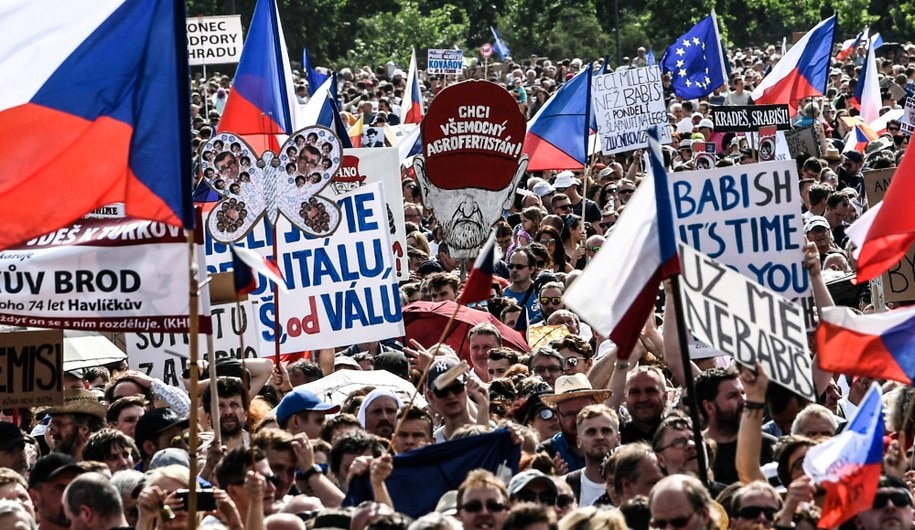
(472, 137)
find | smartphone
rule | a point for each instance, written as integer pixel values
(205, 500)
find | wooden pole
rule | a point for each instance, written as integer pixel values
(193, 316)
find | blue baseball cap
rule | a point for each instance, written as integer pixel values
(301, 400)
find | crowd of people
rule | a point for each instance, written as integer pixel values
(603, 436)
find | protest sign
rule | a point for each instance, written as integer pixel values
(703, 155)
(165, 355)
(445, 62)
(214, 40)
(750, 118)
(365, 166)
(342, 289)
(625, 103)
(99, 275)
(471, 161)
(907, 122)
(748, 217)
(803, 142)
(899, 280)
(31, 368)
(767, 143)
(746, 321)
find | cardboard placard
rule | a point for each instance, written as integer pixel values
(31, 368)
(746, 321)
(214, 40)
(803, 141)
(625, 103)
(899, 280)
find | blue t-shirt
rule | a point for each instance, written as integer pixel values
(533, 304)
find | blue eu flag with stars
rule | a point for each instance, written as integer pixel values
(696, 60)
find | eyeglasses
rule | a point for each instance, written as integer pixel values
(546, 414)
(548, 242)
(531, 496)
(477, 506)
(573, 361)
(679, 522)
(678, 443)
(752, 512)
(518, 266)
(540, 370)
(553, 300)
(900, 499)
(893, 129)
(626, 192)
(455, 389)
(562, 207)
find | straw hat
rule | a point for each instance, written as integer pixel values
(574, 386)
(79, 401)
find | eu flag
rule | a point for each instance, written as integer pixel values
(696, 60)
(499, 45)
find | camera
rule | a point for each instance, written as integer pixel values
(205, 500)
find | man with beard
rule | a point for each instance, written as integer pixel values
(482, 501)
(378, 412)
(645, 397)
(572, 394)
(598, 429)
(73, 422)
(520, 272)
(892, 508)
(47, 482)
(721, 398)
(675, 448)
(233, 411)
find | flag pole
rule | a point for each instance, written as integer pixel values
(214, 393)
(193, 316)
(276, 309)
(688, 378)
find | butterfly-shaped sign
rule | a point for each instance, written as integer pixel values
(289, 183)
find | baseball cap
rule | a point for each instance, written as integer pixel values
(440, 366)
(156, 421)
(542, 189)
(685, 144)
(394, 362)
(564, 180)
(169, 456)
(522, 479)
(854, 156)
(705, 122)
(300, 400)
(429, 267)
(50, 466)
(11, 436)
(814, 222)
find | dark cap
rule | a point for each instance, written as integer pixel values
(428, 267)
(51, 466)
(854, 156)
(11, 436)
(156, 421)
(394, 362)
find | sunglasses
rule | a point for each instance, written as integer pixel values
(272, 479)
(530, 496)
(548, 242)
(455, 389)
(546, 414)
(626, 192)
(540, 370)
(516, 266)
(477, 506)
(679, 522)
(607, 224)
(753, 512)
(563, 207)
(595, 249)
(900, 499)
(179, 439)
(564, 500)
(554, 300)
(572, 362)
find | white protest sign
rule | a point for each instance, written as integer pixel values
(364, 166)
(342, 289)
(445, 62)
(214, 40)
(99, 275)
(165, 355)
(746, 321)
(748, 217)
(907, 121)
(625, 104)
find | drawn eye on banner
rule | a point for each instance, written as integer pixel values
(290, 184)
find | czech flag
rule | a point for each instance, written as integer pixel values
(615, 296)
(867, 91)
(259, 103)
(880, 345)
(315, 78)
(246, 264)
(557, 136)
(479, 283)
(848, 466)
(93, 111)
(802, 72)
(411, 106)
(889, 232)
(849, 46)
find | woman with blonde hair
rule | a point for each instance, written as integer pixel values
(593, 518)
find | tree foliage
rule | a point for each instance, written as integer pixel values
(359, 32)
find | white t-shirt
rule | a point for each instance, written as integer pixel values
(590, 491)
